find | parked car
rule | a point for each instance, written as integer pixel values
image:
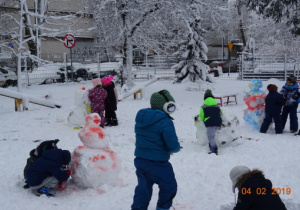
(233, 66)
(7, 78)
(7, 66)
(225, 66)
(213, 65)
(75, 75)
(108, 68)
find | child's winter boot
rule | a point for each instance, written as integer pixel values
(114, 122)
(44, 190)
(107, 121)
(213, 150)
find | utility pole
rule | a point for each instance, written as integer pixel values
(20, 45)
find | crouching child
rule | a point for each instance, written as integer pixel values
(48, 171)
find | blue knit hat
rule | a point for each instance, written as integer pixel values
(66, 157)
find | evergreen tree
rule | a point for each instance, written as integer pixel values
(192, 50)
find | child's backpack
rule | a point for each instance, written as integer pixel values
(37, 153)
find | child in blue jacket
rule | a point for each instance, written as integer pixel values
(47, 171)
(156, 140)
(291, 94)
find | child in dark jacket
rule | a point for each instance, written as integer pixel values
(97, 96)
(274, 103)
(210, 114)
(255, 191)
(156, 140)
(291, 94)
(37, 153)
(111, 101)
(47, 171)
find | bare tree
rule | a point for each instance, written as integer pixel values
(286, 11)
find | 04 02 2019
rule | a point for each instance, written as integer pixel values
(263, 191)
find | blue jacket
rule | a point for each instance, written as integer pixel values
(155, 133)
(291, 94)
(50, 164)
(274, 103)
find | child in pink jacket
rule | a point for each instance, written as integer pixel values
(97, 96)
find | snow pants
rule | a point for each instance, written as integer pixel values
(292, 111)
(268, 120)
(50, 182)
(211, 132)
(151, 172)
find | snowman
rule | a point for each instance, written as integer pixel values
(94, 164)
(255, 101)
(82, 109)
(226, 133)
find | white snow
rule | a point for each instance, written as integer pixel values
(203, 179)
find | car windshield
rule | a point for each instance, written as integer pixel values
(3, 71)
(231, 63)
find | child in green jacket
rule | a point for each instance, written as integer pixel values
(210, 114)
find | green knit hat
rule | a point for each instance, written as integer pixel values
(208, 91)
(158, 100)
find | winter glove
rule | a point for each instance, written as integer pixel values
(290, 102)
(62, 185)
(296, 97)
(68, 172)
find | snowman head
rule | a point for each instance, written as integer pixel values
(255, 85)
(92, 135)
(92, 120)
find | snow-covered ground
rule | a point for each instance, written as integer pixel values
(203, 179)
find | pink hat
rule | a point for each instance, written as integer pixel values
(96, 82)
(107, 79)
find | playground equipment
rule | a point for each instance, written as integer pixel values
(21, 99)
(138, 90)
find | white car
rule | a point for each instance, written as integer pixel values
(7, 78)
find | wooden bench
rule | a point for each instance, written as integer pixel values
(226, 99)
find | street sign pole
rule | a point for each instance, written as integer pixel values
(69, 42)
(230, 45)
(71, 64)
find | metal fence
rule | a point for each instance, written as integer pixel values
(159, 65)
(268, 66)
(257, 67)
(60, 70)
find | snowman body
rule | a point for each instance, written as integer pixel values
(94, 164)
(255, 101)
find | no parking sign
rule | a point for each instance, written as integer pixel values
(69, 41)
